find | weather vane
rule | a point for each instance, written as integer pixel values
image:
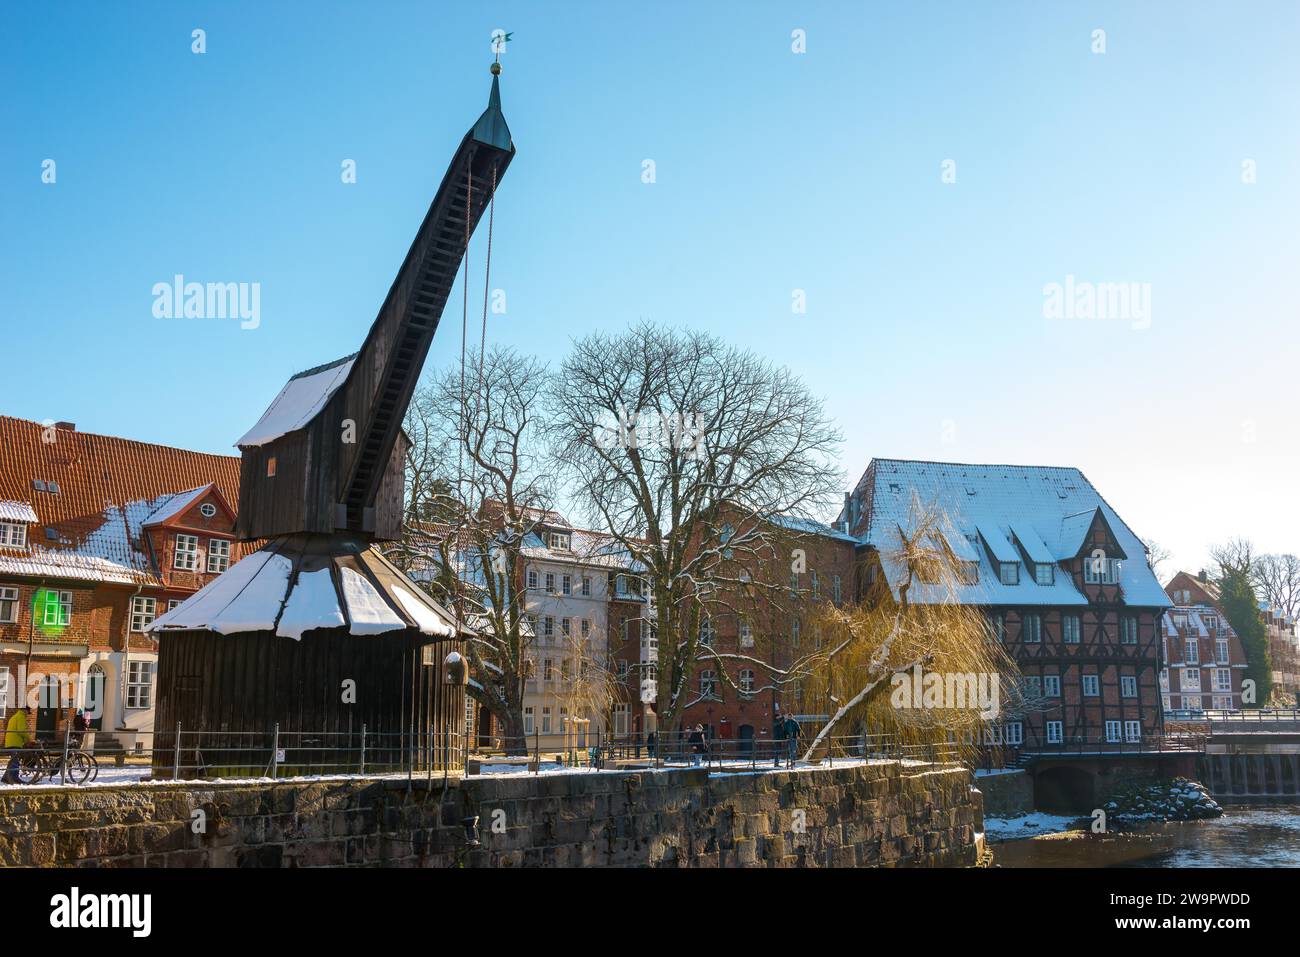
(499, 40)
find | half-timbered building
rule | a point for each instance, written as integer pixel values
(1065, 582)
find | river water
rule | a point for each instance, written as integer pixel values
(1245, 836)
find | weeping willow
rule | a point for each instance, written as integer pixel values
(873, 658)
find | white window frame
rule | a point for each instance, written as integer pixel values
(1054, 732)
(546, 719)
(1052, 686)
(1113, 731)
(1128, 630)
(186, 555)
(585, 628)
(566, 584)
(1191, 651)
(1071, 629)
(566, 627)
(1190, 681)
(621, 715)
(207, 510)
(1090, 681)
(1044, 573)
(708, 683)
(13, 535)
(61, 605)
(1221, 681)
(746, 634)
(1031, 635)
(8, 597)
(1014, 733)
(528, 719)
(746, 682)
(550, 583)
(1009, 573)
(835, 589)
(218, 555)
(139, 685)
(1128, 686)
(1132, 732)
(143, 611)
(532, 579)
(586, 586)
(1221, 655)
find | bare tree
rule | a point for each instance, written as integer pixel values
(685, 448)
(1157, 555)
(1277, 580)
(480, 490)
(1235, 557)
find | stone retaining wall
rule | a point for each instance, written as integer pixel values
(859, 816)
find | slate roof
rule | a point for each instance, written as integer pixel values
(108, 488)
(1047, 510)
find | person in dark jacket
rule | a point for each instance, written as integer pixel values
(651, 740)
(792, 731)
(696, 741)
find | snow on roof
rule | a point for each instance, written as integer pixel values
(176, 504)
(1033, 545)
(299, 401)
(17, 512)
(810, 527)
(1055, 504)
(298, 583)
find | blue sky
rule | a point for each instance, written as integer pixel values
(776, 171)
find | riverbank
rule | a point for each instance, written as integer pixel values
(1245, 836)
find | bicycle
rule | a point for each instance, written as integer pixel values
(39, 762)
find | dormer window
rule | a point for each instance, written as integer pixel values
(1044, 574)
(1009, 573)
(969, 573)
(1101, 571)
(560, 541)
(13, 535)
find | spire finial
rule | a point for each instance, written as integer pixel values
(499, 40)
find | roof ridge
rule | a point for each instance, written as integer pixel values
(115, 438)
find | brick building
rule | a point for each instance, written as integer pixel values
(98, 536)
(1065, 582)
(1204, 658)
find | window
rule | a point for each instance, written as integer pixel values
(13, 535)
(586, 627)
(708, 683)
(586, 586)
(746, 634)
(207, 510)
(747, 682)
(8, 605)
(1033, 686)
(1091, 687)
(794, 584)
(1112, 732)
(1009, 573)
(1052, 686)
(1044, 574)
(835, 589)
(546, 720)
(566, 584)
(528, 720)
(139, 684)
(1053, 732)
(1000, 627)
(532, 579)
(620, 719)
(1133, 731)
(548, 626)
(1128, 686)
(1015, 733)
(58, 608)
(218, 555)
(1070, 629)
(1031, 629)
(706, 630)
(1222, 680)
(270, 467)
(1167, 702)
(548, 669)
(187, 553)
(816, 585)
(794, 632)
(1221, 650)
(566, 627)
(1191, 653)
(1191, 680)
(1101, 571)
(550, 583)
(143, 611)
(1128, 630)
(4, 689)
(174, 603)
(560, 541)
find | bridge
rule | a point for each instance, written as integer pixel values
(1249, 756)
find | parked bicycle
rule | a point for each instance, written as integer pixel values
(40, 762)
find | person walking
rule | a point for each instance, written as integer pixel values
(651, 739)
(792, 731)
(17, 737)
(696, 741)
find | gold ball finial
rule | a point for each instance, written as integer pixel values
(496, 69)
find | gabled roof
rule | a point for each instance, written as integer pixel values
(1048, 510)
(108, 487)
(179, 504)
(301, 399)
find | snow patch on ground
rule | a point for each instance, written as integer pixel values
(1027, 825)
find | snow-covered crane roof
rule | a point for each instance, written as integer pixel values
(302, 397)
(298, 583)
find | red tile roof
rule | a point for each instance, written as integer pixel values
(107, 488)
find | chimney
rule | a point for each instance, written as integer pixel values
(66, 426)
(1201, 576)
